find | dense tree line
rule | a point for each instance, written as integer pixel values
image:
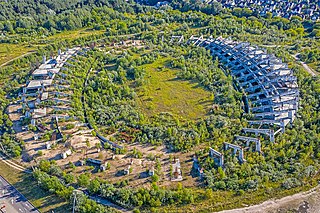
(27, 17)
(51, 177)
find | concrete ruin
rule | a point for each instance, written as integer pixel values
(65, 154)
(217, 157)
(270, 89)
(177, 175)
(268, 84)
(43, 86)
(248, 140)
(236, 149)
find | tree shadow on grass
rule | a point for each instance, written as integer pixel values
(40, 198)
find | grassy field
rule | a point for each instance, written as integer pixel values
(224, 200)
(41, 199)
(163, 92)
(10, 51)
(74, 34)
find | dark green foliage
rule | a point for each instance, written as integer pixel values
(110, 102)
(56, 186)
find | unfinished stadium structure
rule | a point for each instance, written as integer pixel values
(270, 90)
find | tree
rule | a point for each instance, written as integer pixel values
(209, 193)
(94, 186)
(155, 178)
(44, 165)
(8, 27)
(316, 33)
(98, 146)
(84, 180)
(268, 15)
(69, 178)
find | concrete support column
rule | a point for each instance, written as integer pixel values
(258, 146)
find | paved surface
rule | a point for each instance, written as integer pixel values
(305, 66)
(11, 201)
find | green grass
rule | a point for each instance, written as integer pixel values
(74, 34)
(224, 200)
(10, 51)
(163, 92)
(315, 66)
(27, 186)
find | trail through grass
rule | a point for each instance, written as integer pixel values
(11, 51)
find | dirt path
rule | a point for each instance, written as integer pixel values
(14, 165)
(21, 56)
(301, 202)
(305, 66)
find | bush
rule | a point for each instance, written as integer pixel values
(240, 192)
(39, 153)
(155, 178)
(70, 126)
(291, 183)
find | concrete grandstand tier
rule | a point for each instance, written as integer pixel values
(268, 84)
(264, 79)
(269, 87)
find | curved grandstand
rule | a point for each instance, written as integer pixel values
(270, 89)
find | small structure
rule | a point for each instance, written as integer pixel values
(177, 175)
(217, 157)
(42, 74)
(151, 171)
(39, 113)
(65, 154)
(196, 167)
(268, 132)
(177, 39)
(36, 137)
(44, 96)
(250, 139)
(103, 167)
(38, 84)
(236, 149)
(48, 145)
(127, 170)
